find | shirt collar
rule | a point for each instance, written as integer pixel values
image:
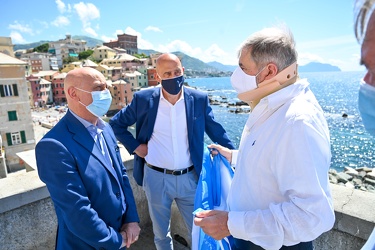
(163, 98)
(99, 126)
(278, 98)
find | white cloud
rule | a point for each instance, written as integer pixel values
(90, 31)
(305, 58)
(133, 32)
(60, 6)
(214, 52)
(178, 45)
(21, 28)
(87, 12)
(61, 21)
(152, 28)
(17, 37)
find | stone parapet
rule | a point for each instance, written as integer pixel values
(28, 221)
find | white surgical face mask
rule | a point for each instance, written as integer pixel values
(101, 101)
(243, 82)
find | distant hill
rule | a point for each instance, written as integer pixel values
(147, 52)
(28, 45)
(91, 42)
(190, 63)
(222, 67)
(318, 67)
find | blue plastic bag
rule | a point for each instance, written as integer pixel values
(212, 190)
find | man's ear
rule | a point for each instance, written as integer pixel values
(157, 77)
(72, 92)
(272, 70)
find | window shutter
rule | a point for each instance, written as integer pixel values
(23, 136)
(12, 115)
(9, 139)
(15, 90)
(2, 90)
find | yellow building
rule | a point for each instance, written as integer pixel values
(103, 52)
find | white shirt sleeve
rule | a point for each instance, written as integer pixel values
(234, 157)
(302, 206)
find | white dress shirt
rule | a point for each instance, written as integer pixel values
(280, 192)
(169, 146)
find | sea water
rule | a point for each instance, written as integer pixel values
(336, 92)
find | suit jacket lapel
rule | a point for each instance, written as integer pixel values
(153, 110)
(189, 107)
(83, 137)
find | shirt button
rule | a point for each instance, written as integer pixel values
(118, 195)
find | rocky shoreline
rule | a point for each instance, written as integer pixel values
(360, 178)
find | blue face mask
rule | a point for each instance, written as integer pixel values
(173, 85)
(366, 106)
(101, 101)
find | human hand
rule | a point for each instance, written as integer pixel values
(213, 223)
(131, 231)
(141, 150)
(226, 152)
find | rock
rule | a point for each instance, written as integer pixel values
(370, 175)
(357, 182)
(362, 173)
(369, 181)
(366, 169)
(332, 179)
(343, 177)
(332, 171)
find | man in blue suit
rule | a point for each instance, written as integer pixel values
(170, 124)
(80, 162)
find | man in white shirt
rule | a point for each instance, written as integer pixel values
(280, 196)
(168, 149)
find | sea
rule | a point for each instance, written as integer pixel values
(336, 92)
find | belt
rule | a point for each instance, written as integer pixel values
(168, 171)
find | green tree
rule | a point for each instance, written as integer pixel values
(70, 59)
(143, 55)
(41, 48)
(85, 54)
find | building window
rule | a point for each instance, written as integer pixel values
(8, 90)
(12, 115)
(15, 138)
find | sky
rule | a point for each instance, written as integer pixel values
(210, 30)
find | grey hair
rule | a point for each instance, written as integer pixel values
(362, 13)
(275, 44)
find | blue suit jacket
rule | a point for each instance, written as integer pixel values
(142, 111)
(85, 191)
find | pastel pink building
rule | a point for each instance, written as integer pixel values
(58, 89)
